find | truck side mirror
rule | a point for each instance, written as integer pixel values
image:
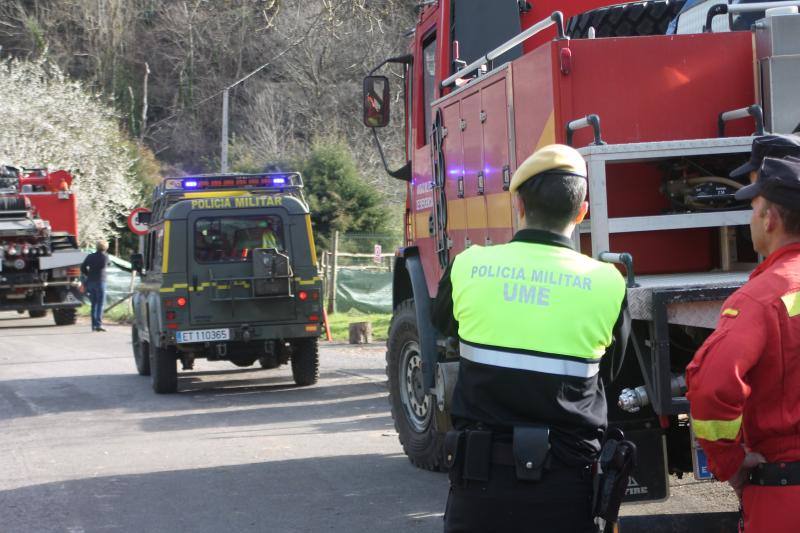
(376, 101)
(137, 263)
(144, 217)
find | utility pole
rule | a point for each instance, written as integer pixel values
(224, 155)
(225, 95)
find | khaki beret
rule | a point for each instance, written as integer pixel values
(553, 157)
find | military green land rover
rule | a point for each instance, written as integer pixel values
(229, 273)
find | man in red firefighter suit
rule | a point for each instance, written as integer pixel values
(744, 382)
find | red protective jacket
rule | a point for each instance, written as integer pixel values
(744, 382)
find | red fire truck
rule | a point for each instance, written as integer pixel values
(39, 256)
(662, 99)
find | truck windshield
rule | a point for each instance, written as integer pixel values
(233, 239)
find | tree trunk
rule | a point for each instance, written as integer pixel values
(360, 332)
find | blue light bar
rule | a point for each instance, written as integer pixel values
(190, 184)
(278, 181)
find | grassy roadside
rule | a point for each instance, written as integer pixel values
(339, 323)
(121, 314)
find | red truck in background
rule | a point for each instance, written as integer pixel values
(39, 256)
(662, 99)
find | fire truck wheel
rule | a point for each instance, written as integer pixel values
(141, 352)
(412, 408)
(37, 314)
(163, 370)
(305, 361)
(626, 20)
(65, 317)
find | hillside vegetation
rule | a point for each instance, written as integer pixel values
(162, 67)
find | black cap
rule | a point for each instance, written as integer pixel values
(769, 146)
(778, 181)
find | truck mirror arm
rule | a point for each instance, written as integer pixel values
(405, 60)
(402, 173)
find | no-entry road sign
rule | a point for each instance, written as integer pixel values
(139, 227)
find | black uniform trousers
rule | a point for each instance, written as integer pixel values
(560, 502)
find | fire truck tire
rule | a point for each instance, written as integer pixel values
(163, 370)
(37, 314)
(412, 409)
(65, 317)
(305, 361)
(141, 352)
(626, 20)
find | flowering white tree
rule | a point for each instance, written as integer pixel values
(49, 120)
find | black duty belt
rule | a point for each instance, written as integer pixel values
(469, 454)
(776, 474)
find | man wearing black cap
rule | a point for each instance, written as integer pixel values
(533, 318)
(744, 382)
(768, 146)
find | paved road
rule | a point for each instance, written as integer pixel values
(85, 446)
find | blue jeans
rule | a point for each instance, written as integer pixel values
(97, 296)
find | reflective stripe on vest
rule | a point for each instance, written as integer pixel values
(522, 361)
(537, 298)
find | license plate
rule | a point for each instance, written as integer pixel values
(700, 463)
(203, 335)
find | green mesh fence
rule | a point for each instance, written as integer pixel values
(368, 291)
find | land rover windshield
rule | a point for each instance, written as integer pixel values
(230, 239)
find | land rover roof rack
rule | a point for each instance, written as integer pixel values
(267, 181)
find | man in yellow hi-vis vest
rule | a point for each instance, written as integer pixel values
(533, 318)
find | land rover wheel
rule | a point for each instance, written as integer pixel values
(305, 361)
(37, 314)
(412, 407)
(65, 317)
(141, 352)
(163, 370)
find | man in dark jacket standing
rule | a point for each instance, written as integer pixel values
(94, 269)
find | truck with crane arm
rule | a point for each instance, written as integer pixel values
(662, 98)
(39, 256)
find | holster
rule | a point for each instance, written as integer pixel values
(531, 445)
(478, 456)
(617, 460)
(454, 455)
(468, 455)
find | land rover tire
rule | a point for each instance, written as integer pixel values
(305, 361)
(163, 370)
(625, 20)
(37, 313)
(65, 317)
(141, 352)
(411, 406)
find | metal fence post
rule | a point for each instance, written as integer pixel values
(334, 264)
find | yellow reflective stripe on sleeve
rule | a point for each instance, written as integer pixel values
(792, 303)
(713, 430)
(730, 312)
